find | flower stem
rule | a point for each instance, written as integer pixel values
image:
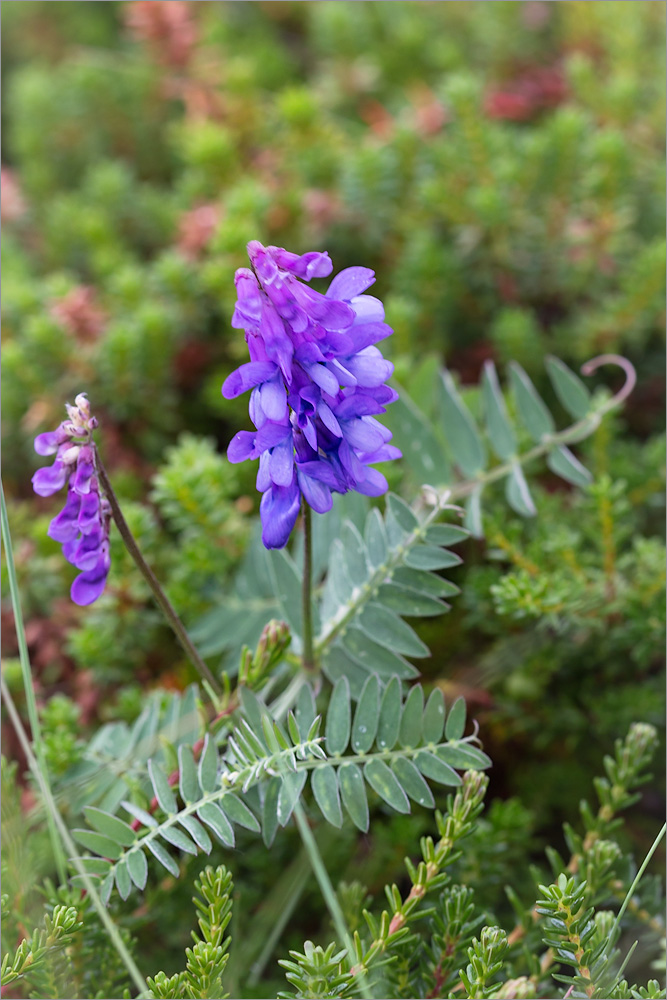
(163, 601)
(308, 657)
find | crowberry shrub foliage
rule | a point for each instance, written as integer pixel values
(457, 660)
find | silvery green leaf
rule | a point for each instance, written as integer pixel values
(498, 427)
(409, 602)
(569, 388)
(353, 794)
(188, 783)
(410, 733)
(383, 626)
(325, 789)
(456, 720)
(464, 442)
(518, 494)
(374, 657)
(366, 716)
(384, 782)
(390, 715)
(375, 538)
(412, 782)
(111, 826)
(434, 717)
(534, 414)
(337, 729)
(568, 467)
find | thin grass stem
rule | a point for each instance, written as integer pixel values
(26, 673)
(69, 845)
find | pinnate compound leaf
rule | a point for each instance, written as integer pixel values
(569, 388)
(456, 720)
(366, 716)
(337, 730)
(353, 794)
(325, 789)
(384, 782)
(111, 826)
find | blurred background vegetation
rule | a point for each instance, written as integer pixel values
(501, 167)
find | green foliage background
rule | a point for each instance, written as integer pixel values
(501, 167)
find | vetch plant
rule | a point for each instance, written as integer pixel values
(321, 724)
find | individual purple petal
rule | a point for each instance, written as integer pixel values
(317, 494)
(357, 404)
(279, 510)
(85, 469)
(47, 443)
(368, 333)
(85, 553)
(46, 482)
(369, 367)
(314, 264)
(387, 453)
(89, 511)
(321, 376)
(249, 302)
(263, 481)
(241, 447)
(367, 309)
(373, 484)
(64, 527)
(279, 347)
(320, 470)
(89, 586)
(281, 463)
(247, 376)
(331, 314)
(350, 282)
(273, 399)
(325, 414)
(271, 434)
(364, 434)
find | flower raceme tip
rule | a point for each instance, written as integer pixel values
(82, 526)
(317, 383)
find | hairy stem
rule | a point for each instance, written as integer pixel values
(163, 601)
(308, 657)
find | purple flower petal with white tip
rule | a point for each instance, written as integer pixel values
(46, 482)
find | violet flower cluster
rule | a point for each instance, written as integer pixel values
(317, 380)
(83, 524)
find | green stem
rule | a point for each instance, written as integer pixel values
(26, 672)
(327, 889)
(163, 601)
(308, 658)
(70, 847)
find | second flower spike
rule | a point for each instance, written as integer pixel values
(317, 381)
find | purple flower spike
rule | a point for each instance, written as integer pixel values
(82, 526)
(317, 380)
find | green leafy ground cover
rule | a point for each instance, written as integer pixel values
(500, 166)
